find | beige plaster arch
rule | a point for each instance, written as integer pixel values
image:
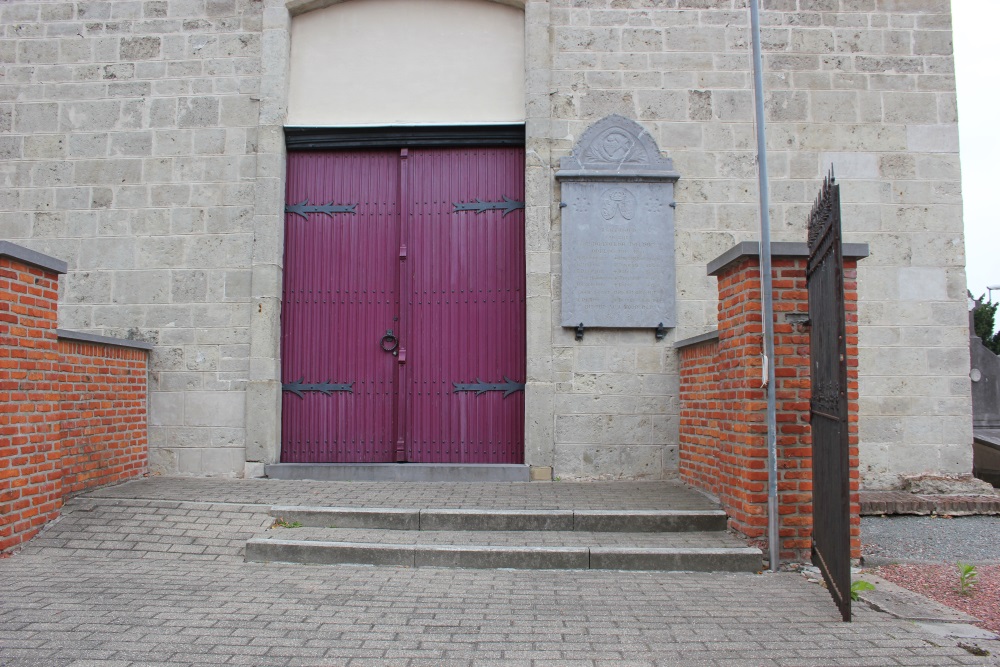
(400, 62)
(298, 7)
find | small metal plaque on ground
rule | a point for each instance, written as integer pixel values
(618, 267)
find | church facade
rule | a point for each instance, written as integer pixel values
(343, 225)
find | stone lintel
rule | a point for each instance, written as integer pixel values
(854, 251)
(32, 257)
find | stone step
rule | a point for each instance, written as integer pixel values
(399, 472)
(690, 551)
(620, 521)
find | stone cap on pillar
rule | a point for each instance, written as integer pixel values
(853, 251)
(32, 257)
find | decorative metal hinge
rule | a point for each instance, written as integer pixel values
(303, 208)
(508, 205)
(327, 387)
(508, 387)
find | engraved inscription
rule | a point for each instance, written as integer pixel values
(618, 250)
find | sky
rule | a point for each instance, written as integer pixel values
(974, 26)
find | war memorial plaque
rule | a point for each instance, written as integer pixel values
(618, 266)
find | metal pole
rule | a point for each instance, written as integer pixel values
(766, 290)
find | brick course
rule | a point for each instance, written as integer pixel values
(72, 414)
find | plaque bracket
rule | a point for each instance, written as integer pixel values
(579, 331)
(661, 332)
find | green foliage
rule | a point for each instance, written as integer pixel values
(984, 320)
(967, 576)
(281, 523)
(860, 585)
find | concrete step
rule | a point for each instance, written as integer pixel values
(399, 472)
(620, 521)
(688, 551)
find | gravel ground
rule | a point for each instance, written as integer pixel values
(928, 539)
(920, 553)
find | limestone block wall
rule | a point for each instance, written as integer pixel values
(866, 86)
(142, 142)
(129, 138)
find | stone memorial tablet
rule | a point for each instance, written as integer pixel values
(618, 267)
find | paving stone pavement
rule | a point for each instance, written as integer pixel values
(456, 495)
(120, 582)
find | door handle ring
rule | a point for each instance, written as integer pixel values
(389, 343)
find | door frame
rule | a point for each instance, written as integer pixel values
(262, 405)
(304, 139)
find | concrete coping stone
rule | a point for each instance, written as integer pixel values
(82, 337)
(707, 337)
(989, 437)
(853, 251)
(32, 257)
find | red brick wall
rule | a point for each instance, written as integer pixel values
(739, 403)
(30, 489)
(700, 415)
(102, 392)
(72, 414)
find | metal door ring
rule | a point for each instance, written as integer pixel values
(389, 343)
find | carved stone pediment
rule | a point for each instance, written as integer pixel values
(616, 146)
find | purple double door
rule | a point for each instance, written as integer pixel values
(403, 315)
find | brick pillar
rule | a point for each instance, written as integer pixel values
(30, 488)
(733, 412)
(743, 447)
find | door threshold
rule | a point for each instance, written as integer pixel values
(399, 472)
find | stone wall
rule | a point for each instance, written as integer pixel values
(130, 141)
(142, 141)
(863, 85)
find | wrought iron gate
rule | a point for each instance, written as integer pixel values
(828, 406)
(403, 319)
